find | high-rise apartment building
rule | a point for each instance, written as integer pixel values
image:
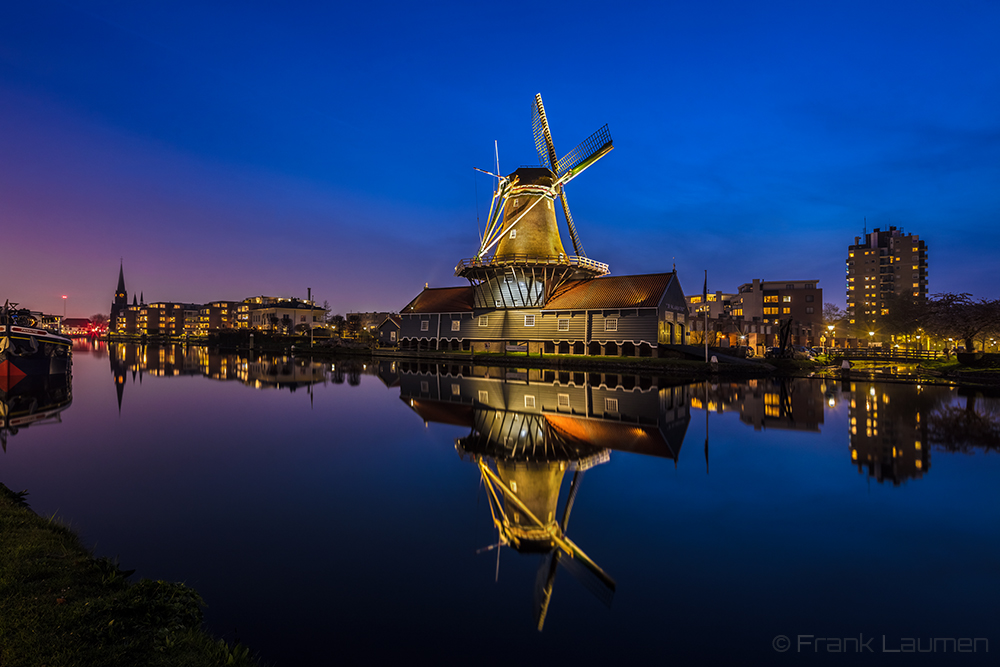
(880, 266)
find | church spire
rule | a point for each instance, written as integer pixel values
(121, 279)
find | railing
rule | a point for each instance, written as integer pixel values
(892, 353)
(599, 268)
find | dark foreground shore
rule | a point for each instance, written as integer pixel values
(60, 606)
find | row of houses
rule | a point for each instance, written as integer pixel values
(173, 319)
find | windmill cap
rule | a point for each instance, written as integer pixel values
(534, 176)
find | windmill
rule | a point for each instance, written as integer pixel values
(521, 258)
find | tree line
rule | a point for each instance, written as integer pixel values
(959, 316)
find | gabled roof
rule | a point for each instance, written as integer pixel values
(392, 319)
(441, 300)
(643, 291)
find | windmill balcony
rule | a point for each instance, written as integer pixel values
(597, 268)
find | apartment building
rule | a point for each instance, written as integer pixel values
(881, 266)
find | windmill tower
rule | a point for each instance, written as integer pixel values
(521, 259)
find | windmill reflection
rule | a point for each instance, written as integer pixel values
(35, 400)
(528, 429)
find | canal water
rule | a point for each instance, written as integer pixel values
(349, 512)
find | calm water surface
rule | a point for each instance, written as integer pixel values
(341, 513)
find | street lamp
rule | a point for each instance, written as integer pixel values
(833, 338)
(65, 298)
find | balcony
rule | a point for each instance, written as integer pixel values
(591, 266)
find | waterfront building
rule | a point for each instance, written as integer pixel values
(169, 318)
(163, 318)
(883, 266)
(387, 333)
(753, 315)
(217, 315)
(287, 316)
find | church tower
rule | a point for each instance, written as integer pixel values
(120, 302)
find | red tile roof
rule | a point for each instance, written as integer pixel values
(644, 291)
(441, 300)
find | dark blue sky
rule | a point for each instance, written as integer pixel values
(232, 149)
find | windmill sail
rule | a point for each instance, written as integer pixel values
(592, 149)
(571, 165)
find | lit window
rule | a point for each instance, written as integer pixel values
(455, 390)
(786, 299)
(484, 396)
(484, 320)
(529, 320)
(564, 402)
(529, 401)
(513, 233)
(563, 324)
(456, 325)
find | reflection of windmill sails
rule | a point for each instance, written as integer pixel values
(518, 522)
(531, 458)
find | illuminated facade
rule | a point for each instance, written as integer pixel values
(171, 319)
(286, 315)
(751, 315)
(880, 266)
(217, 315)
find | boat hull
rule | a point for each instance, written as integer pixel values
(26, 352)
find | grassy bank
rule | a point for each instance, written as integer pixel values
(60, 606)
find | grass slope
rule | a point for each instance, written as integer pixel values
(60, 606)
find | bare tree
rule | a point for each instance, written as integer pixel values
(833, 314)
(960, 316)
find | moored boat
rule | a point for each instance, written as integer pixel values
(29, 350)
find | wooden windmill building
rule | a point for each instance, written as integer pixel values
(526, 293)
